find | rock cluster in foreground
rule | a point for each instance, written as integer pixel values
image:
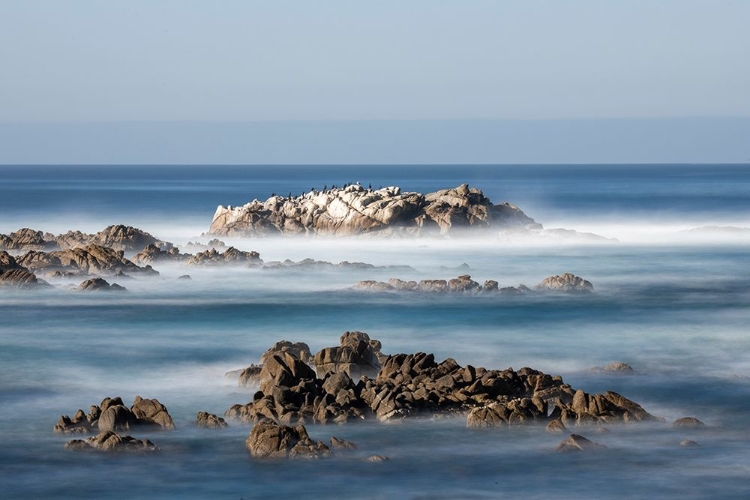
(116, 237)
(409, 385)
(564, 283)
(353, 210)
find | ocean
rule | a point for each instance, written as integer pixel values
(674, 305)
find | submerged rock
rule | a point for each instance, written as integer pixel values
(342, 444)
(111, 442)
(688, 422)
(269, 439)
(101, 285)
(576, 442)
(355, 210)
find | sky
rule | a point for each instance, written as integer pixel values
(81, 68)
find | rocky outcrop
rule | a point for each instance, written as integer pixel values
(153, 253)
(269, 439)
(87, 260)
(231, 256)
(126, 238)
(112, 415)
(353, 210)
(14, 275)
(109, 441)
(565, 283)
(27, 239)
(617, 367)
(688, 423)
(356, 355)
(322, 265)
(414, 384)
(100, 285)
(210, 421)
(299, 350)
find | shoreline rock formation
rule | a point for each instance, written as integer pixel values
(112, 415)
(14, 275)
(117, 237)
(354, 210)
(82, 261)
(565, 283)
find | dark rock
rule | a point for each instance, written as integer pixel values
(269, 439)
(576, 442)
(100, 285)
(210, 420)
(112, 415)
(356, 355)
(184, 277)
(556, 426)
(688, 443)
(111, 442)
(342, 444)
(299, 350)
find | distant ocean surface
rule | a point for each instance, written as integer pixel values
(677, 312)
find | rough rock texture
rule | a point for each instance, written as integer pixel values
(269, 439)
(556, 426)
(300, 350)
(112, 415)
(153, 253)
(87, 260)
(14, 275)
(209, 420)
(231, 256)
(100, 285)
(26, 239)
(111, 442)
(576, 442)
(566, 283)
(342, 444)
(355, 210)
(127, 238)
(415, 384)
(356, 355)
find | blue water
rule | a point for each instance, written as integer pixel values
(677, 311)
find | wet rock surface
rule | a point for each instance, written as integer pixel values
(269, 439)
(109, 441)
(112, 415)
(409, 385)
(356, 210)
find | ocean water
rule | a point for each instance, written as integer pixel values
(676, 308)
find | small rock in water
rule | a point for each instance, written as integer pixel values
(688, 422)
(210, 421)
(377, 458)
(556, 426)
(269, 439)
(185, 277)
(618, 367)
(688, 443)
(111, 442)
(576, 442)
(342, 444)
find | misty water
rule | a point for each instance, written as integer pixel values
(674, 305)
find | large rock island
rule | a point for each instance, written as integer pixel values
(354, 209)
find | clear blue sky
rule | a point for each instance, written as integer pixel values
(239, 60)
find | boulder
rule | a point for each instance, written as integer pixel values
(269, 439)
(463, 284)
(688, 422)
(109, 441)
(231, 256)
(210, 421)
(357, 355)
(90, 259)
(283, 369)
(20, 278)
(576, 442)
(112, 415)
(565, 283)
(153, 253)
(342, 444)
(100, 285)
(299, 350)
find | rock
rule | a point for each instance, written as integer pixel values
(210, 421)
(299, 350)
(490, 286)
(231, 256)
(91, 259)
(688, 443)
(112, 415)
(101, 285)
(556, 426)
(565, 283)
(576, 442)
(250, 376)
(184, 277)
(20, 278)
(377, 458)
(463, 284)
(111, 442)
(153, 253)
(283, 369)
(126, 238)
(269, 439)
(374, 286)
(688, 422)
(25, 239)
(356, 355)
(433, 286)
(342, 444)
(617, 367)
(355, 210)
